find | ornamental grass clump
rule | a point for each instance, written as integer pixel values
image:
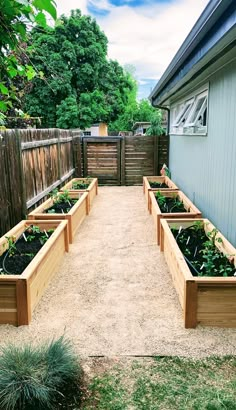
(34, 378)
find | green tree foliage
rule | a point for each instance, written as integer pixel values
(136, 111)
(155, 127)
(80, 85)
(15, 18)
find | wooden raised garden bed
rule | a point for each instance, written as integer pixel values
(89, 185)
(205, 300)
(74, 217)
(162, 183)
(191, 211)
(20, 293)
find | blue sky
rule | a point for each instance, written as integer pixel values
(143, 33)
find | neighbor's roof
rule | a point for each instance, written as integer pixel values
(137, 124)
(216, 21)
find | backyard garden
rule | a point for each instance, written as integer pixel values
(116, 292)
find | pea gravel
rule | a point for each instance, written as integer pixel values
(113, 294)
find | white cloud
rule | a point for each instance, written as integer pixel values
(101, 4)
(147, 37)
(65, 6)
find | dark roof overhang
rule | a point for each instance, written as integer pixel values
(213, 26)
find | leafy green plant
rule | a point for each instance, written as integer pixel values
(161, 199)
(36, 377)
(60, 197)
(201, 252)
(169, 204)
(34, 229)
(81, 184)
(11, 245)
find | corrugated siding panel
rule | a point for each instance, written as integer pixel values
(205, 167)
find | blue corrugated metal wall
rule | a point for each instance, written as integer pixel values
(205, 167)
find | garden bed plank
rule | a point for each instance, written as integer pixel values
(92, 189)
(210, 301)
(161, 179)
(74, 217)
(192, 210)
(19, 294)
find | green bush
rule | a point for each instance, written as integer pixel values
(36, 377)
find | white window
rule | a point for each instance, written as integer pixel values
(190, 116)
(183, 114)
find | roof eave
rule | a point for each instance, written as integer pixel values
(197, 44)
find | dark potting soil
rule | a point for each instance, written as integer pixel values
(15, 262)
(158, 185)
(61, 207)
(80, 185)
(171, 205)
(202, 256)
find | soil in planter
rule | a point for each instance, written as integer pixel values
(157, 184)
(169, 204)
(201, 254)
(62, 207)
(21, 252)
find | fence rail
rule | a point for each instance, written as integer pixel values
(33, 162)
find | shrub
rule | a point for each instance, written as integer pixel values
(36, 377)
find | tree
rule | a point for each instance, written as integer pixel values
(156, 127)
(80, 85)
(15, 17)
(136, 111)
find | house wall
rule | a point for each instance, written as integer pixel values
(205, 167)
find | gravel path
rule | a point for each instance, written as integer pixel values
(113, 293)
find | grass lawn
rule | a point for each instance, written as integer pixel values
(161, 383)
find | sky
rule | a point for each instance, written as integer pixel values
(143, 33)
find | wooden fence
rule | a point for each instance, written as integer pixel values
(123, 160)
(34, 162)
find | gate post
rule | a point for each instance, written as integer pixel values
(77, 159)
(122, 161)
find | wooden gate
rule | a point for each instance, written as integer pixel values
(102, 159)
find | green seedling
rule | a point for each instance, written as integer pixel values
(11, 245)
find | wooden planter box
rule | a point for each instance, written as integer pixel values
(161, 179)
(210, 301)
(92, 188)
(192, 210)
(19, 294)
(75, 217)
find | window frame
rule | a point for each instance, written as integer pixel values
(179, 113)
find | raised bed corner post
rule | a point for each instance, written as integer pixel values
(190, 306)
(23, 302)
